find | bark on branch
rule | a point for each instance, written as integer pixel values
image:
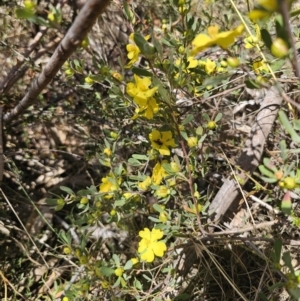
(77, 32)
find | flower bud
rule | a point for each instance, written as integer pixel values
(279, 48)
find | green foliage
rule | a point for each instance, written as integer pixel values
(156, 149)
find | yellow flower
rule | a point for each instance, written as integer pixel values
(192, 141)
(222, 39)
(251, 41)
(158, 173)
(119, 272)
(89, 80)
(260, 67)
(163, 216)
(197, 194)
(67, 250)
(143, 96)
(134, 260)
(150, 246)
(192, 63)
(117, 76)
(107, 152)
(162, 192)
(233, 62)
(211, 125)
(105, 284)
(174, 167)
(108, 186)
(265, 9)
(162, 141)
(145, 184)
(220, 69)
(133, 54)
(114, 135)
(171, 182)
(199, 207)
(127, 195)
(210, 66)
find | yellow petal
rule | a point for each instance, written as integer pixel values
(142, 83)
(163, 150)
(131, 89)
(159, 248)
(166, 136)
(271, 5)
(146, 234)
(154, 135)
(143, 245)
(213, 31)
(148, 255)
(257, 14)
(156, 234)
(201, 42)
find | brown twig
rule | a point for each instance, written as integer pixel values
(1, 147)
(77, 32)
(21, 61)
(284, 10)
(17, 71)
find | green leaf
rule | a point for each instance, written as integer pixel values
(206, 117)
(268, 180)
(266, 37)
(65, 237)
(215, 80)
(167, 168)
(116, 259)
(218, 117)
(39, 20)
(282, 145)
(140, 157)
(161, 90)
(270, 165)
(120, 203)
(67, 190)
(117, 283)
(280, 29)
(184, 135)
(157, 46)
(137, 284)
(153, 219)
(166, 42)
(188, 119)
(134, 162)
(277, 65)
(128, 265)
(288, 127)
(295, 13)
(143, 45)
(277, 250)
(158, 208)
(51, 202)
(24, 13)
(296, 123)
(141, 72)
(128, 13)
(199, 131)
(252, 84)
(286, 257)
(106, 271)
(286, 203)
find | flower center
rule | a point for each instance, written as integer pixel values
(159, 142)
